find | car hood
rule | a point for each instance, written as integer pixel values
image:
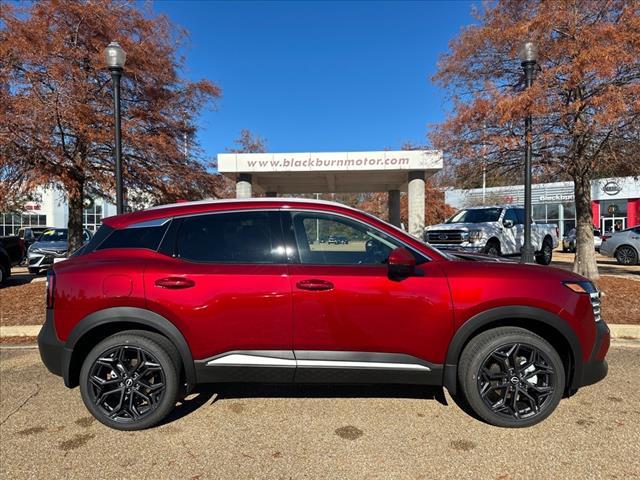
(479, 257)
(458, 226)
(61, 246)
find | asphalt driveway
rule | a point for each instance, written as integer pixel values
(316, 432)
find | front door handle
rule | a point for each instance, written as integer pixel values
(314, 284)
(175, 283)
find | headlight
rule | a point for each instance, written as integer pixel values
(590, 289)
(581, 287)
(34, 250)
(475, 235)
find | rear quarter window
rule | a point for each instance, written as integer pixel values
(143, 237)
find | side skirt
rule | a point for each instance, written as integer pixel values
(310, 366)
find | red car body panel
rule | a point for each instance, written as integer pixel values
(366, 311)
(230, 307)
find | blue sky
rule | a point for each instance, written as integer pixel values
(319, 76)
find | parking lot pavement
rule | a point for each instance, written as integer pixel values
(316, 432)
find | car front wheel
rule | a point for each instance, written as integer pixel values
(511, 377)
(129, 381)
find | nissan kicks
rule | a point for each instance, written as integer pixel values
(244, 291)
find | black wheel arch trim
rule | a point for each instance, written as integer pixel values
(135, 316)
(501, 314)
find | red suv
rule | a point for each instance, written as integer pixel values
(246, 291)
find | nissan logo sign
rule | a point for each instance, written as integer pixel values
(611, 188)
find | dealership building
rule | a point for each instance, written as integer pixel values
(49, 208)
(614, 201)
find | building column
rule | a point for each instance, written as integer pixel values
(560, 221)
(243, 185)
(416, 203)
(393, 204)
(595, 213)
(633, 212)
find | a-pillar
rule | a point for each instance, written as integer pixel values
(416, 203)
(393, 204)
(243, 186)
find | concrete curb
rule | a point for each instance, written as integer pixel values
(617, 331)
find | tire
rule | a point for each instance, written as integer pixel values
(492, 248)
(117, 360)
(34, 271)
(487, 363)
(626, 255)
(544, 256)
(4, 274)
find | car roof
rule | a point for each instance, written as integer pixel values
(480, 207)
(229, 204)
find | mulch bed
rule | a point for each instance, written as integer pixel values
(25, 304)
(621, 300)
(22, 304)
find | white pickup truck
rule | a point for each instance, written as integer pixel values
(495, 230)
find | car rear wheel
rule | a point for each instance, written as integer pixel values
(626, 255)
(544, 256)
(511, 377)
(129, 381)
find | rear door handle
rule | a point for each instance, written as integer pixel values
(175, 283)
(314, 284)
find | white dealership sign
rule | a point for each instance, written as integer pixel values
(330, 161)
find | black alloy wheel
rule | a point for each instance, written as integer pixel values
(511, 377)
(516, 380)
(129, 381)
(626, 255)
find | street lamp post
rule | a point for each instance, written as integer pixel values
(115, 57)
(528, 58)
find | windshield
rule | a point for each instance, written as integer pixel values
(476, 215)
(54, 235)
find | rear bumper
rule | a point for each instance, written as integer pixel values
(53, 353)
(596, 368)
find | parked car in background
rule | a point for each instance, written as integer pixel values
(11, 253)
(208, 292)
(623, 245)
(52, 246)
(338, 240)
(496, 230)
(569, 240)
(30, 235)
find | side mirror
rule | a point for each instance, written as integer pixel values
(507, 223)
(401, 263)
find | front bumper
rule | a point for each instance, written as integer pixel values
(596, 368)
(53, 353)
(43, 260)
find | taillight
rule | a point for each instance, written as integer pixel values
(51, 287)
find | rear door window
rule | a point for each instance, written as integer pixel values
(235, 237)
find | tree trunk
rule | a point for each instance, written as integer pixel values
(75, 194)
(585, 262)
